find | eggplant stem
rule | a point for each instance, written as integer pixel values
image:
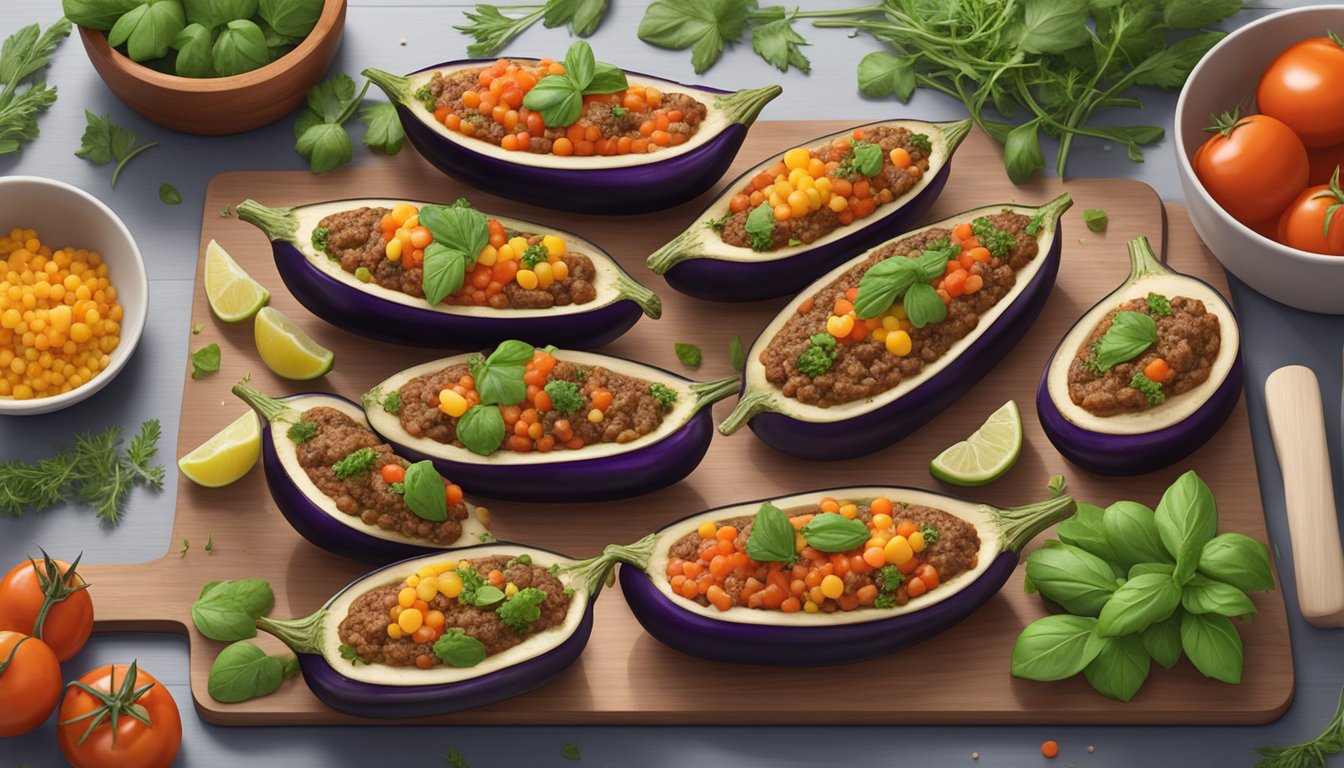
(1019, 525)
(301, 635)
(597, 571)
(681, 248)
(954, 133)
(278, 224)
(710, 392)
(1051, 211)
(396, 87)
(266, 406)
(744, 106)
(751, 403)
(1143, 261)
(641, 295)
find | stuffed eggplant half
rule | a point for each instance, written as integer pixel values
(792, 217)
(435, 275)
(343, 489)
(1146, 376)
(548, 425)
(577, 135)
(827, 577)
(885, 341)
(440, 634)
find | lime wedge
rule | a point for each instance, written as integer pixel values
(287, 350)
(233, 294)
(226, 457)
(987, 454)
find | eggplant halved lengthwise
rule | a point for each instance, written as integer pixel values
(368, 534)
(595, 471)
(364, 306)
(463, 665)
(857, 425)
(1119, 423)
(876, 612)
(598, 184)
(700, 262)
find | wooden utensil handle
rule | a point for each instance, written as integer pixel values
(1297, 423)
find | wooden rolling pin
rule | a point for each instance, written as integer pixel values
(1297, 423)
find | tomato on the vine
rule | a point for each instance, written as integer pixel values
(117, 716)
(1304, 87)
(1315, 221)
(48, 600)
(1252, 166)
(30, 683)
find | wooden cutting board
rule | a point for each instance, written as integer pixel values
(625, 676)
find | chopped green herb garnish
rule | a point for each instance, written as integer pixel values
(717, 224)
(565, 397)
(349, 652)
(534, 255)
(664, 394)
(1150, 389)
(885, 601)
(919, 141)
(186, 545)
(302, 432)
(226, 212)
(760, 227)
(996, 240)
(569, 592)
(1159, 305)
(618, 111)
(891, 578)
(794, 242)
(570, 752)
(205, 361)
(817, 358)
(929, 533)
(426, 97)
(358, 461)
(522, 609)
(554, 570)
(196, 329)
(1034, 225)
(320, 236)
(210, 543)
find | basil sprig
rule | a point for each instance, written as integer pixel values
(760, 227)
(458, 649)
(892, 278)
(1129, 335)
(833, 532)
(559, 98)
(499, 377)
(243, 671)
(460, 233)
(772, 536)
(422, 490)
(481, 429)
(228, 610)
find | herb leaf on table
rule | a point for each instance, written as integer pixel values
(104, 142)
(382, 128)
(319, 130)
(492, 28)
(204, 361)
(244, 671)
(23, 55)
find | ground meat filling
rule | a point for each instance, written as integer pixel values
(448, 91)
(356, 240)
(1188, 340)
(821, 222)
(632, 414)
(365, 494)
(865, 369)
(955, 551)
(364, 628)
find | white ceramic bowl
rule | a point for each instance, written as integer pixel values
(1226, 76)
(68, 216)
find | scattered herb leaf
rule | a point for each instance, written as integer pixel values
(168, 194)
(205, 361)
(302, 431)
(355, 462)
(665, 395)
(820, 353)
(1096, 219)
(1152, 391)
(737, 356)
(23, 55)
(1159, 305)
(688, 354)
(105, 142)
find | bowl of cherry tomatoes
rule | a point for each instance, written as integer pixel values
(1260, 145)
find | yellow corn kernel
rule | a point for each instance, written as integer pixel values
(898, 343)
(799, 542)
(595, 416)
(406, 597)
(813, 199)
(811, 607)
(850, 511)
(518, 244)
(891, 323)
(917, 541)
(413, 580)
(425, 572)
(453, 404)
(707, 530)
(394, 631)
(544, 274)
(410, 620)
(797, 157)
(781, 188)
(555, 245)
(559, 270)
(450, 584)
(880, 334)
(838, 203)
(798, 202)
(804, 182)
(412, 222)
(510, 589)
(833, 586)
(898, 550)
(796, 177)
(428, 589)
(483, 515)
(526, 278)
(506, 253)
(488, 256)
(881, 522)
(442, 568)
(402, 212)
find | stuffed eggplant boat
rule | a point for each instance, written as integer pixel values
(448, 275)
(827, 577)
(548, 425)
(885, 341)
(787, 220)
(440, 634)
(577, 135)
(343, 489)
(1146, 376)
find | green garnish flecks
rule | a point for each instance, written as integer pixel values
(302, 431)
(1159, 305)
(355, 462)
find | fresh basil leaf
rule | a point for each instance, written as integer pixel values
(1194, 14)
(1162, 640)
(932, 261)
(884, 74)
(1055, 647)
(557, 98)
(499, 378)
(580, 64)
(481, 429)
(1139, 569)
(96, 14)
(326, 146)
(772, 536)
(169, 195)
(1204, 595)
(1086, 529)
(486, 596)
(1187, 519)
(512, 352)
(218, 13)
(737, 356)
(688, 354)
(1239, 560)
(193, 46)
(1053, 26)
(1131, 529)
(382, 129)
(148, 30)
(1078, 580)
(570, 752)
(760, 227)
(423, 492)
(703, 25)
(330, 98)
(867, 158)
(1022, 154)
(1137, 604)
(1129, 335)
(607, 78)
(581, 15)
(1213, 646)
(779, 43)
(458, 649)
(833, 532)
(243, 671)
(1120, 668)
(923, 305)
(445, 268)
(884, 282)
(291, 18)
(460, 227)
(1171, 67)
(228, 610)
(204, 361)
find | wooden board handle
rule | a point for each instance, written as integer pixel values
(1297, 423)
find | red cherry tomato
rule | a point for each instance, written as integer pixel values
(52, 585)
(1324, 161)
(151, 744)
(1252, 166)
(1304, 87)
(30, 683)
(1303, 225)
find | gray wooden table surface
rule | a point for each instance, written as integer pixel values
(151, 386)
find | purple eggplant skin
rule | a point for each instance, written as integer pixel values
(720, 280)
(851, 438)
(635, 189)
(1119, 455)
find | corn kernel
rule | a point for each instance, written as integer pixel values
(898, 343)
(898, 550)
(527, 279)
(555, 245)
(595, 416)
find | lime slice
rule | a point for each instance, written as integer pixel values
(287, 350)
(233, 295)
(226, 457)
(987, 454)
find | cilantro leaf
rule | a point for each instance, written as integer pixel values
(104, 142)
(702, 25)
(383, 132)
(205, 361)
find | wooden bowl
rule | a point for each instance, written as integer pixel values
(218, 106)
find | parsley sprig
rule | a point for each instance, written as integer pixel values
(23, 55)
(493, 26)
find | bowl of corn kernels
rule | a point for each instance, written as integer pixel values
(73, 295)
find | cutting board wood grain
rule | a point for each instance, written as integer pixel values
(625, 676)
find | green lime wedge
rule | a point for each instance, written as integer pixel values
(987, 454)
(233, 295)
(287, 350)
